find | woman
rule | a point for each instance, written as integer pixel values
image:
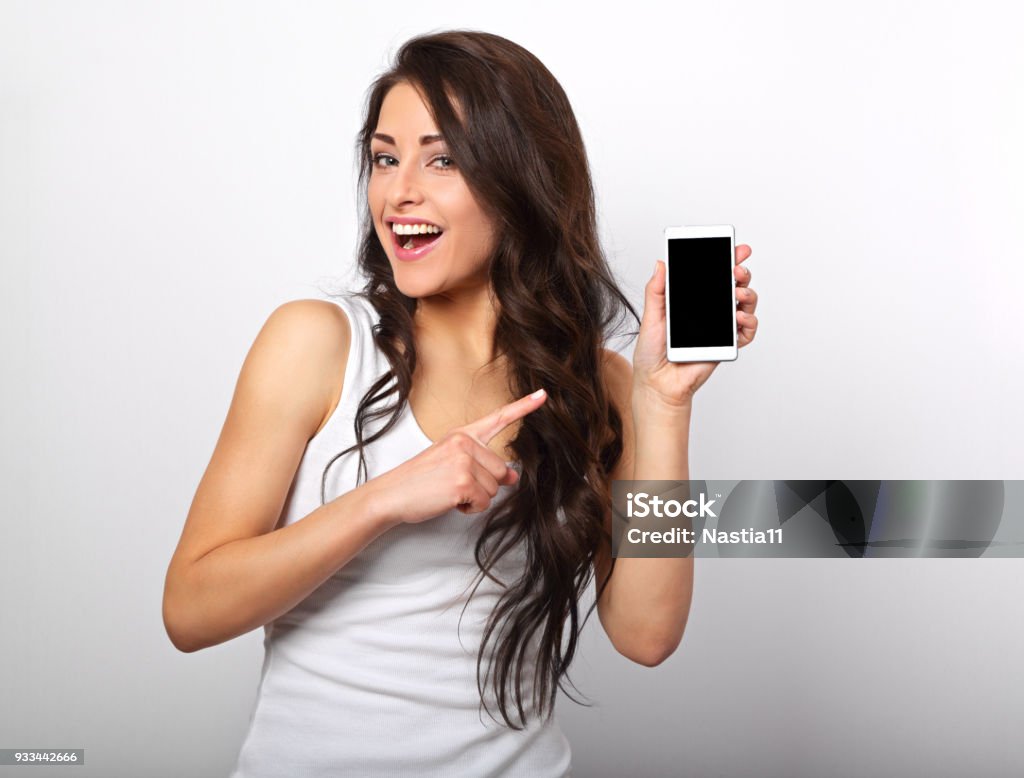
(411, 491)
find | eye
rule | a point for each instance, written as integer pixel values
(375, 159)
(449, 166)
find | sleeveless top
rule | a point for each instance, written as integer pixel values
(375, 672)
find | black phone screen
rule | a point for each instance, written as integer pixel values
(700, 301)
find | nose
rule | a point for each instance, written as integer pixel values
(406, 187)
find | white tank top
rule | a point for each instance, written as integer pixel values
(373, 674)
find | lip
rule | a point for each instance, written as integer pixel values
(411, 255)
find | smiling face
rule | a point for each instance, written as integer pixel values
(414, 180)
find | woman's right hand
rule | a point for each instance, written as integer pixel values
(458, 471)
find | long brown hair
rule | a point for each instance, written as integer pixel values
(519, 148)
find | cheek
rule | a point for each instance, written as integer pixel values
(484, 233)
(476, 227)
(375, 205)
(374, 193)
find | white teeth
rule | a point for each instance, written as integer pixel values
(414, 229)
(409, 245)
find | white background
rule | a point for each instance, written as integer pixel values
(172, 172)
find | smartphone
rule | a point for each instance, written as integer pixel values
(700, 293)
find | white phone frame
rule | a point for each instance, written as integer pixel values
(707, 354)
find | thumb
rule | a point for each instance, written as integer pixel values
(654, 294)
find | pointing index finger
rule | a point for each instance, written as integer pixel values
(490, 425)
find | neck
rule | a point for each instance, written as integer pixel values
(459, 325)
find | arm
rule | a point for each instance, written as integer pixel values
(646, 604)
(246, 583)
(232, 572)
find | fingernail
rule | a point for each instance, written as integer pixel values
(539, 393)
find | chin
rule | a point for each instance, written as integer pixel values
(416, 287)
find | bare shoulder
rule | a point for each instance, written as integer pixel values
(307, 329)
(313, 338)
(319, 319)
(618, 378)
(617, 373)
(284, 390)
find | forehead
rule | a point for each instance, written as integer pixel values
(403, 113)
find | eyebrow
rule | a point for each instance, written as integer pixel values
(425, 140)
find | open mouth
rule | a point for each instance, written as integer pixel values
(412, 247)
(413, 242)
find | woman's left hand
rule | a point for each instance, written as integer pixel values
(674, 383)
